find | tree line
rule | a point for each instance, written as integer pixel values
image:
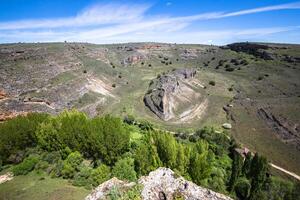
(89, 151)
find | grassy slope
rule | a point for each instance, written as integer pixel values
(36, 186)
(133, 84)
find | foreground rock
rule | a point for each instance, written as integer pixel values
(227, 126)
(164, 183)
(161, 184)
(6, 177)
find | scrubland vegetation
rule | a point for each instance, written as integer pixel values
(88, 151)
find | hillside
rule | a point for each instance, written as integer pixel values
(254, 87)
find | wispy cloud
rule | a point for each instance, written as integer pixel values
(91, 16)
(130, 22)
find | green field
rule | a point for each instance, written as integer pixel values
(40, 186)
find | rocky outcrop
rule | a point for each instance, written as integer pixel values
(286, 130)
(158, 98)
(133, 59)
(161, 184)
(257, 50)
(189, 54)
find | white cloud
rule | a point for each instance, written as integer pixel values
(91, 16)
(129, 23)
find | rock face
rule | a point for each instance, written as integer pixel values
(286, 130)
(164, 183)
(161, 184)
(257, 50)
(133, 59)
(158, 98)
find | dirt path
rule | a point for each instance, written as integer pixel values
(286, 171)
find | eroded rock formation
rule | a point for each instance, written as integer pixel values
(167, 91)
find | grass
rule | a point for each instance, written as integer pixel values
(39, 186)
(130, 89)
(63, 78)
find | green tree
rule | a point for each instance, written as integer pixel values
(146, 158)
(236, 169)
(278, 189)
(247, 165)
(199, 168)
(124, 169)
(296, 191)
(68, 129)
(258, 170)
(166, 148)
(109, 138)
(242, 188)
(18, 134)
(182, 158)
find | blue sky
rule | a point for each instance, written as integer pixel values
(203, 21)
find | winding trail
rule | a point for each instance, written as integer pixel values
(286, 171)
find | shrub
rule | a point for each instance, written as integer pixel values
(51, 157)
(145, 125)
(74, 159)
(260, 78)
(242, 188)
(82, 178)
(18, 134)
(68, 129)
(57, 169)
(129, 119)
(26, 166)
(213, 83)
(109, 138)
(42, 165)
(244, 62)
(134, 193)
(100, 175)
(113, 85)
(146, 158)
(124, 169)
(229, 69)
(71, 165)
(67, 171)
